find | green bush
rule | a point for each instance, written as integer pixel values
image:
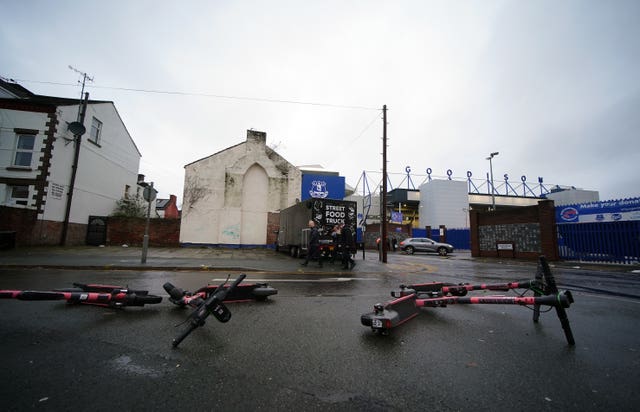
(131, 207)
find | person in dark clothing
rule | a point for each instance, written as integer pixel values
(335, 241)
(313, 248)
(348, 247)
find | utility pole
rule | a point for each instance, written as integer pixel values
(78, 129)
(150, 196)
(77, 138)
(383, 194)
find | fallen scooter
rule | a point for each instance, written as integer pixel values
(89, 294)
(241, 293)
(210, 300)
(410, 299)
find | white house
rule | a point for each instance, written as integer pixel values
(229, 195)
(38, 155)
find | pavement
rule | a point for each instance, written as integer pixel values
(178, 258)
(228, 259)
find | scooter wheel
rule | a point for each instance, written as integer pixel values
(262, 293)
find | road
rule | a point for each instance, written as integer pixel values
(305, 349)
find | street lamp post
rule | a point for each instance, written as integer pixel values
(149, 195)
(493, 191)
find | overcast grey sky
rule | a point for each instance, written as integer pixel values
(554, 86)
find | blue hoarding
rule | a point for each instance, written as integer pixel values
(322, 187)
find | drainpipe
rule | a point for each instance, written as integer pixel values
(74, 169)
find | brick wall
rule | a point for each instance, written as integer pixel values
(530, 230)
(48, 233)
(76, 233)
(273, 225)
(130, 231)
(21, 221)
(32, 232)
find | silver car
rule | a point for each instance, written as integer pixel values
(424, 244)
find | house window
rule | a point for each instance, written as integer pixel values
(127, 188)
(24, 150)
(19, 195)
(96, 131)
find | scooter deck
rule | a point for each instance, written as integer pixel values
(99, 288)
(240, 293)
(391, 314)
(243, 292)
(430, 289)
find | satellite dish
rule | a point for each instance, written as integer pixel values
(76, 128)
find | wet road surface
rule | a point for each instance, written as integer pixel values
(305, 349)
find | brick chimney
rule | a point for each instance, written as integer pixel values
(254, 136)
(171, 211)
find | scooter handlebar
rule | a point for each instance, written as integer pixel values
(212, 305)
(222, 292)
(190, 328)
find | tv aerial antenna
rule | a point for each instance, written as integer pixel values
(85, 78)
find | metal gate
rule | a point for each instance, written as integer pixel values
(606, 242)
(97, 231)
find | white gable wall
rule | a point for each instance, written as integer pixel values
(227, 196)
(103, 170)
(203, 204)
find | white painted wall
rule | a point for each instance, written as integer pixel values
(228, 195)
(203, 207)
(103, 171)
(574, 196)
(60, 171)
(444, 202)
(254, 206)
(10, 120)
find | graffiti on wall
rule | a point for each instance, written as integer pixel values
(231, 232)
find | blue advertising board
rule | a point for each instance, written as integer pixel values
(322, 187)
(606, 211)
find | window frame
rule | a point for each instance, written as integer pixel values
(21, 151)
(23, 201)
(96, 125)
